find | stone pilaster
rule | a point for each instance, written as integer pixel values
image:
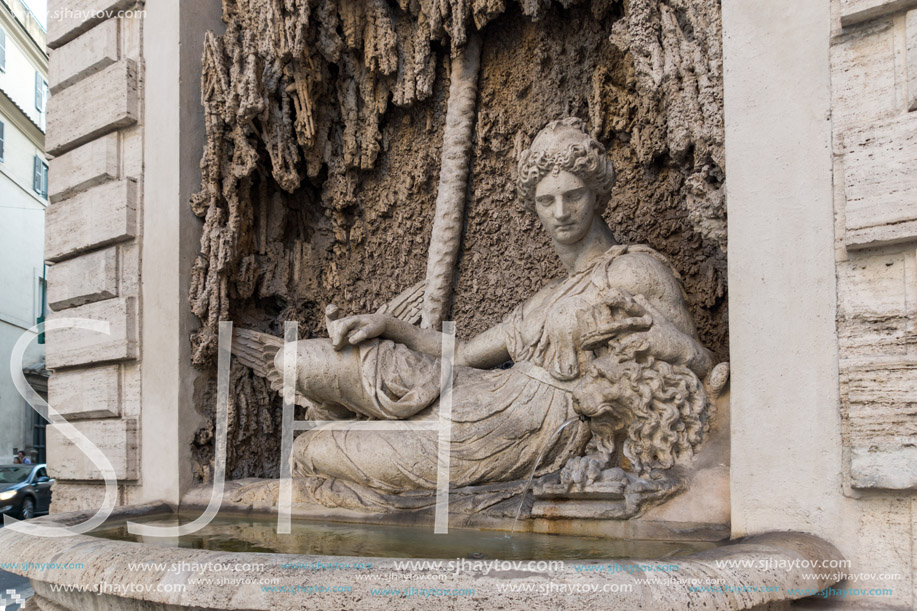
(93, 238)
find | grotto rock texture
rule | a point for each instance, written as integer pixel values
(325, 124)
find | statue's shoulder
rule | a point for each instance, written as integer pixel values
(639, 269)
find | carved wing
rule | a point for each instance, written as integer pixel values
(257, 351)
(407, 305)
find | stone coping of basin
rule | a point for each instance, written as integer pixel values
(761, 581)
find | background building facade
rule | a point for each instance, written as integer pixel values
(23, 199)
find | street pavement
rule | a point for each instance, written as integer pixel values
(19, 586)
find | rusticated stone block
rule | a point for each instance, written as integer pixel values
(880, 411)
(894, 469)
(876, 304)
(863, 78)
(86, 393)
(880, 184)
(87, 54)
(92, 164)
(67, 19)
(118, 440)
(881, 235)
(85, 279)
(69, 496)
(97, 105)
(857, 11)
(73, 347)
(103, 215)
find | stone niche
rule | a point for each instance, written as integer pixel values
(320, 173)
(324, 133)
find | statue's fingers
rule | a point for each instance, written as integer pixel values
(633, 323)
(615, 298)
(632, 345)
(341, 331)
(636, 309)
(337, 339)
(645, 306)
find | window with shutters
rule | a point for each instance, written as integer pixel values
(40, 177)
(41, 91)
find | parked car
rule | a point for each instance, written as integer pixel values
(25, 490)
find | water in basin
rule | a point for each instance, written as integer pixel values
(259, 534)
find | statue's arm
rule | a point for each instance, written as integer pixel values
(672, 336)
(483, 351)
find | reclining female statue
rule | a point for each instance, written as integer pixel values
(621, 301)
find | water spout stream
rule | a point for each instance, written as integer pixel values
(528, 484)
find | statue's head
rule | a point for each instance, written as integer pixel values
(567, 177)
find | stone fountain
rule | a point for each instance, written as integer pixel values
(461, 298)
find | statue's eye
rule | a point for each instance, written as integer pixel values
(544, 201)
(575, 195)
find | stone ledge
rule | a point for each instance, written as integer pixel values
(101, 216)
(117, 439)
(74, 496)
(880, 186)
(888, 469)
(86, 393)
(876, 394)
(73, 19)
(104, 102)
(74, 347)
(93, 51)
(86, 279)
(858, 11)
(84, 167)
(881, 235)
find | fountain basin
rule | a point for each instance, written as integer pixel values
(258, 534)
(115, 574)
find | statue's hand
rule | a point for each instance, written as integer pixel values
(662, 339)
(619, 314)
(352, 330)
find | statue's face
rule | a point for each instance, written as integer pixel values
(565, 205)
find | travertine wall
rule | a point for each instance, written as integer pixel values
(874, 99)
(821, 329)
(95, 135)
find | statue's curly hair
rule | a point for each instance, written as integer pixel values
(664, 407)
(564, 145)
